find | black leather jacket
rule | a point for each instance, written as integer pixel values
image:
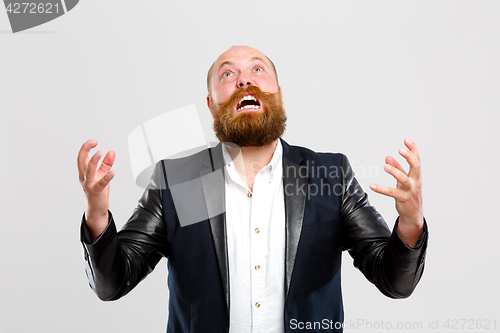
(318, 229)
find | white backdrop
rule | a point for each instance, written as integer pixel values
(357, 77)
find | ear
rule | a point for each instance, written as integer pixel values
(208, 104)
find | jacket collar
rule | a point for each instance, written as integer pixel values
(295, 189)
(213, 184)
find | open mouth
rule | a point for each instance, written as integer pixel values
(248, 102)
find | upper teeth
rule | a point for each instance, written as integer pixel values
(248, 98)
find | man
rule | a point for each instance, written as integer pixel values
(269, 261)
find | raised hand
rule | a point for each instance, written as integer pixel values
(408, 193)
(95, 184)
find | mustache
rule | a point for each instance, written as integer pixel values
(263, 97)
(250, 129)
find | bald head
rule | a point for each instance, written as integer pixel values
(225, 58)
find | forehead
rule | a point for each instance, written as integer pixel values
(240, 56)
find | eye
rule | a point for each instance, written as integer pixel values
(226, 74)
(258, 69)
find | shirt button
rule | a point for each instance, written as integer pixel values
(257, 267)
(257, 230)
(257, 305)
(249, 194)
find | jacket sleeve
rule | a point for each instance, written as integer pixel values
(380, 255)
(116, 262)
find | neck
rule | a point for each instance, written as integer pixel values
(252, 160)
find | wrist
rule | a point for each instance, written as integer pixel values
(96, 223)
(410, 230)
(411, 223)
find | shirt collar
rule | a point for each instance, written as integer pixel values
(275, 162)
(277, 158)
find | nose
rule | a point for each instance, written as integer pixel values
(244, 80)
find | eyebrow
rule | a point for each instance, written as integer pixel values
(258, 58)
(227, 62)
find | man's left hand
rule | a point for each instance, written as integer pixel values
(408, 193)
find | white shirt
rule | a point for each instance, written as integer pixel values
(255, 224)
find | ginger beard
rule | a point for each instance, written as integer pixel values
(250, 128)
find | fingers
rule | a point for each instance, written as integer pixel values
(412, 157)
(104, 181)
(104, 169)
(404, 183)
(413, 148)
(87, 169)
(405, 180)
(392, 162)
(400, 176)
(83, 158)
(387, 191)
(92, 166)
(107, 162)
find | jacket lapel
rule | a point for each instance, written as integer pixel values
(295, 189)
(212, 179)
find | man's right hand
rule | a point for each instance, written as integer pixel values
(95, 184)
